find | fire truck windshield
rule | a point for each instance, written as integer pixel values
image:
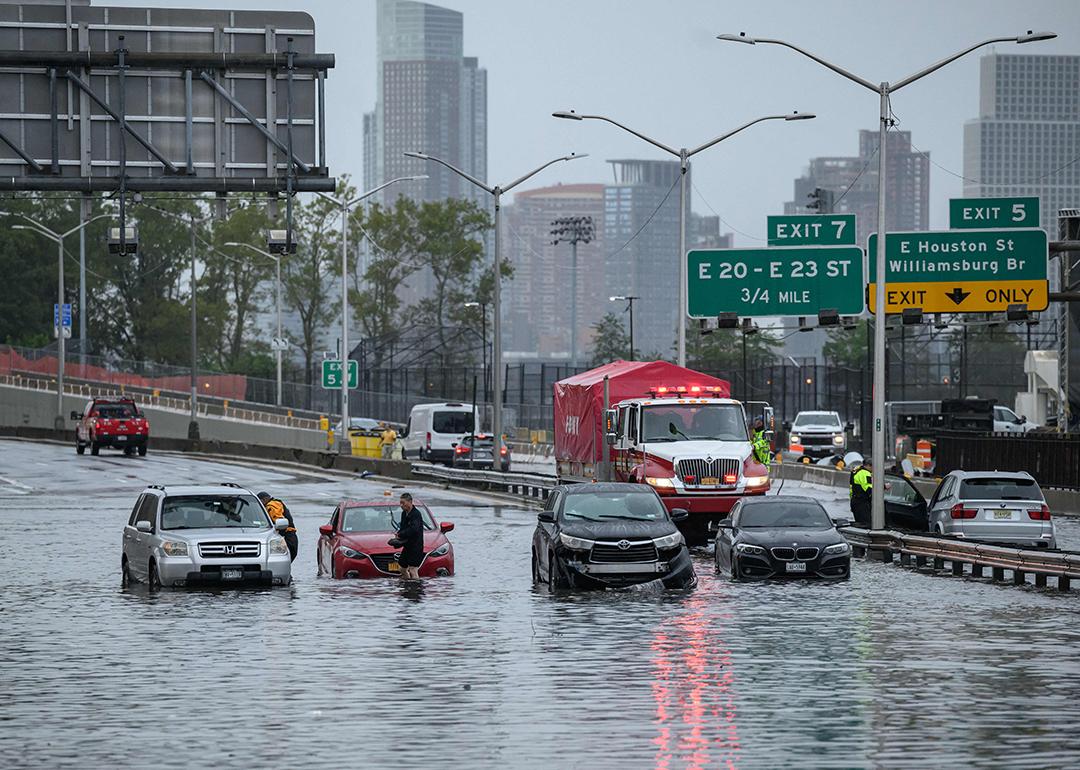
(693, 422)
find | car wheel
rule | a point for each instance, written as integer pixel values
(154, 578)
(535, 569)
(142, 450)
(94, 448)
(125, 573)
(556, 579)
(335, 569)
(734, 569)
(80, 447)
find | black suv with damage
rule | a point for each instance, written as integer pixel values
(609, 536)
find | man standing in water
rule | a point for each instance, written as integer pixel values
(411, 535)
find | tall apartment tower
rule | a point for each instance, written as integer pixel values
(539, 299)
(907, 193)
(429, 98)
(1025, 139)
(641, 241)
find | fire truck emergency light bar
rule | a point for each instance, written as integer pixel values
(674, 390)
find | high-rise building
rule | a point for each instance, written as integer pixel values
(1024, 141)
(907, 192)
(538, 301)
(429, 98)
(641, 235)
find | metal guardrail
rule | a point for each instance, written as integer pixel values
(204, 409)
(534, 486)
(968, 558)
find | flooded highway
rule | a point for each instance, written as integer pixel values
(889, 669)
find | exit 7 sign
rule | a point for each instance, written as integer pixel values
(811, 230)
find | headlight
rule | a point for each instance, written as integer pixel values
(348, 552)
(756, 550)
(576, 543)
(756, 481)
(669, 541)
(277, 545)
(838, 440)
(837, 548)
(442, 550)
(655, 481)
(174, 548)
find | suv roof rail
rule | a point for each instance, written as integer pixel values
(156, 486)
(231, 484)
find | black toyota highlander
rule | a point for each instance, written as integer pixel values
(609, 536)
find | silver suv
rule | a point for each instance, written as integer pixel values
(203, 535)
(992, 506)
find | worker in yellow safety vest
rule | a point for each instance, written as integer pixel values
(860, 485)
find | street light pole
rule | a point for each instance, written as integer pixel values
(495, 192)
(193, 421)
(59, 422)
(575, 230)
(483, 342)
(344, 445)
(684, 155)
(277, 302)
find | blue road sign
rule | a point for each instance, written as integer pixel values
(67, 314)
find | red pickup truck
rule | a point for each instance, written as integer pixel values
(111, 422)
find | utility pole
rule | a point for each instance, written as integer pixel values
(572, 230)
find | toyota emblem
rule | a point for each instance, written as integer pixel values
(624, 545)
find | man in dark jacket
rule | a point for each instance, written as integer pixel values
(861, 492)
(411, 534)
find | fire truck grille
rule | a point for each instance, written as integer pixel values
(700, 468)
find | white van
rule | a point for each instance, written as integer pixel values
(434, 429)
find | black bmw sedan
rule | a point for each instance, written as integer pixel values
(609, 536)
(781, 537)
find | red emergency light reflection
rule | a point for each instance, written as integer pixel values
(693, 689)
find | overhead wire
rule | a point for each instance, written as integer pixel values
(648, 220)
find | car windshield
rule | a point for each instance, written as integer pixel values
(452, 422)
(213, 512)
(380, 518)
(720, 422)
(637, 505)
(817, 419)
(784, 514)
(115, 411)
(991, 488)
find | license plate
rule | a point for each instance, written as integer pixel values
(121, 438)
(710, 481)
(393, 567)
(795, 566)
(232, 574)
(1002, 514)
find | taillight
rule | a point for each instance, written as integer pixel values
(1042, 513)
(429, 441)
(462, 450)
(502, 451)
(958, 511)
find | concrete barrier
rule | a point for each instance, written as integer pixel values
(33, 408)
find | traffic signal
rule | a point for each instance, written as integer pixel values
(821, 200)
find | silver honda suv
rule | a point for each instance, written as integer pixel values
(203, 535)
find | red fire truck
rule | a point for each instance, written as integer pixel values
(663, 425)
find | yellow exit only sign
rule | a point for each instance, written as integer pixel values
(965, 297)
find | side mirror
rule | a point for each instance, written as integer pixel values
(546, 517)
(679, 514)
(849, 427)
(724, 524)
(611, 439)
(786, 425)
(446, 526)
(75, 415)
(281, 524)
(326, 529)
(144, 526)
(1021, 420)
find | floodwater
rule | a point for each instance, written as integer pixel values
(890, 669)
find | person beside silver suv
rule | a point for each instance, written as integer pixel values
(203, 535)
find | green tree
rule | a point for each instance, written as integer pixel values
(309, 275)
(847, 347)
(723, 349)
(611, 340)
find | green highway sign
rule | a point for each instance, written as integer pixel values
(331, 374)
(962, 271)
(983, 213)
(811, 230)
(770, 282)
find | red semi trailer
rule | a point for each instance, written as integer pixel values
(667, 426)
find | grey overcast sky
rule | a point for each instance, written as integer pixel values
(657, 67)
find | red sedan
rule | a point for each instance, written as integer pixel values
(354, 543)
